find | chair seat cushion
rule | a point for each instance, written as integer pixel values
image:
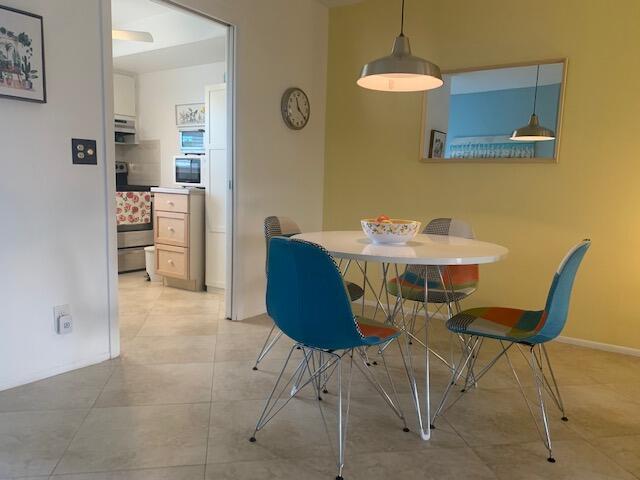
(412, 287)
(510, 324)
(375, 332)
(355, 291)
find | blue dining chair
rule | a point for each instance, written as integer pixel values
(308, 301)
(525, 329)
(285, 227)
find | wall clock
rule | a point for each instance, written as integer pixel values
(295, 108)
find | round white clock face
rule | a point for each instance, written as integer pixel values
(295, 108)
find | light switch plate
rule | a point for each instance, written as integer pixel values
(83, 152)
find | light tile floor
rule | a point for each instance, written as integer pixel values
(182, 400)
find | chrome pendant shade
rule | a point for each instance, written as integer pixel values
(533, 131)
(401, 71)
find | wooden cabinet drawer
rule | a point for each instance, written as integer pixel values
(167, 202)
(172, 261)
(171, 228)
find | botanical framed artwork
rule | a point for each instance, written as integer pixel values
(22, 75)
(190, 115)
(437, 144)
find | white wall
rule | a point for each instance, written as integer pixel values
(157, 95)
(279, 43)
(53, 214)
(55, 237)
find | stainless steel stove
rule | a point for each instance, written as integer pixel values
(135, 234)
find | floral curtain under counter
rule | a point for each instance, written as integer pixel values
(133, 208)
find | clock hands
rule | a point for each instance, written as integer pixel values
(298, 107)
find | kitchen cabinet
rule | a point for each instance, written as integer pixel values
(124, 95)
(217, 185)
(179, 236)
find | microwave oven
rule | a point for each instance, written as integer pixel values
(191, 140)
(189, 170)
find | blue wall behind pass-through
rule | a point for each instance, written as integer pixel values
(499, 112)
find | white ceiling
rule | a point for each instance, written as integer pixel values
(504, 78)
(126, 11)
(180, 37)
(211, 50)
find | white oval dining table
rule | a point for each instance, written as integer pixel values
(423, 249)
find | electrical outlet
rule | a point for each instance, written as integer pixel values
(63, 322)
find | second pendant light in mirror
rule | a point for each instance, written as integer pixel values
(533, 131)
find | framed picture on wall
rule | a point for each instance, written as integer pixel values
(21, 56)
(190, 115)
(437, 144)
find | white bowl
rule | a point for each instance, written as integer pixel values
(393, 231)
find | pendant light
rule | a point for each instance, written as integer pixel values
(533, 131)
(131, 36)
(400, 71)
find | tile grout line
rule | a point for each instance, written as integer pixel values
(75, 434)
(213, 369)
(589, 441)
(117, 470)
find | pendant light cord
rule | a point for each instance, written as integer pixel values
(535, 94)
(402, 21)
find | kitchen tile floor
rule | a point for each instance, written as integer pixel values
(182, 400)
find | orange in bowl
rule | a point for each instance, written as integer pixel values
(389, 230)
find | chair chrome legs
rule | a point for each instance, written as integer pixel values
(267, 414)
(316, 367)
(537, 359)
(266, 348)
(343, 422)
(555, 392)
(539, 378)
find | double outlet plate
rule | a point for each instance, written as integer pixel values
(83, 152)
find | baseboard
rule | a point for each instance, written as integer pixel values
(52, 372)
(607, 347)
(216, 287)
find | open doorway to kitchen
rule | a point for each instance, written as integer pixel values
(173, 110)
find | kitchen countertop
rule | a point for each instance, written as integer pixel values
(178, 190)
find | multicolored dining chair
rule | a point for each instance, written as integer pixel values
(446, 285)
(308, 301)
(285, 227)
(526, 330)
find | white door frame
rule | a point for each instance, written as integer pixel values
(230, 292)
(108, 148)
(109, 158)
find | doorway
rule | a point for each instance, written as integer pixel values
(172, 74)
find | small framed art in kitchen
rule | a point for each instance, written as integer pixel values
(22, 56)
(190, 115)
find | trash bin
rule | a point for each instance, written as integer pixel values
(150, 263)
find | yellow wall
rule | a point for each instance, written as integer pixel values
(538, 210)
